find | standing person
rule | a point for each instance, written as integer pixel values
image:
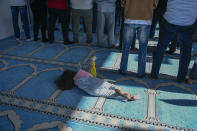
(58, 9)
(106, 12)
(138, 17)
(179, 19)
(82, 8)
(39, 10)
(16, 7)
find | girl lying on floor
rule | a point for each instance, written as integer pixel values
(93, 86)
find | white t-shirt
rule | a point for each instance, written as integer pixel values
(17, 2)
(181, 12)
(141, 22)
(81, 4)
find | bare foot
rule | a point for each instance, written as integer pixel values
(137, 97)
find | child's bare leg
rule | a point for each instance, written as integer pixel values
(124, 94)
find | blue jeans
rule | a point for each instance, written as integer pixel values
(23, 12)
(128, 35)
(167, 33)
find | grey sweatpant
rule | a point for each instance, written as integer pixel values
(109, 17)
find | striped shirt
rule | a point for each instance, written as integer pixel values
(181, 12)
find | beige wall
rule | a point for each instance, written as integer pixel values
(6, 28)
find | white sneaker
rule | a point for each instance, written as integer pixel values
(17, 39)
(30, 39)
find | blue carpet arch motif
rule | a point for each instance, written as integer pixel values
(30, 100)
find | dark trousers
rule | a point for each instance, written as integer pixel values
(94, 23)
(167, 32)
(40, 19)
(156, 19)
(23, 12)
(87, 17)
(61, 15)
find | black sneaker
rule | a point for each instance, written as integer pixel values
(141, 76)
(187, 81)
(122, 73)
(68, 42)
(45, 40)
(36, 38)
(112, 46)
(89, 41)
(152, 77)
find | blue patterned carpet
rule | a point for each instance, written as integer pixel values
(30, 100)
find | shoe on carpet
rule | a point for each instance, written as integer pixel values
(89, 41)
(140, 76)
(36, 38)
(194, 40)
(29, 39)
(45, 40)
(120, 72)
(187, 81)
(68, 42)
(152, 77)
(118, 47)
(111, 46)
(134, 49)
(99, 45)
(17, 39)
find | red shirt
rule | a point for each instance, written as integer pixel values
(57, 4)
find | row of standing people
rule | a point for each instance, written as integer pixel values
(61, 10)
(179, 18)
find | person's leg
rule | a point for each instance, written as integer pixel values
(15, 11)
(121, 29)
(36, 21)
(69, 14)
(23, 13)
(88, 24)
(110, 18)
(195, 34)
(43, 21)
(117, 17)
(186, 35)
(193, 72)
(75, 24)
(52, 22)
(63, 17)
(94, 24)
(100, 31)
(143, 35)
(166, 34)
(128, 96)
(129, 32)
(154, 24)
